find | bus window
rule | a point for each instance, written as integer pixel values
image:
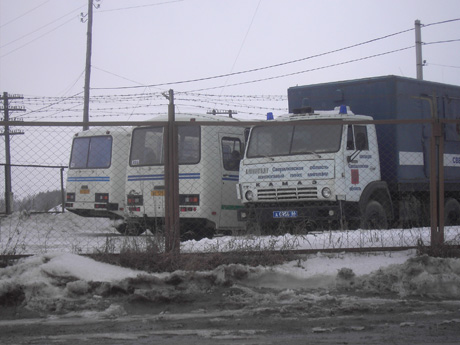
(91, 152)
(189, 144)
(100, 152)
(147, 146)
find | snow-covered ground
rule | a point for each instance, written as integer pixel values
(385, 297)
(68, 283)
(67, 232)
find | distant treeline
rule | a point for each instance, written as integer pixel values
(41, 202)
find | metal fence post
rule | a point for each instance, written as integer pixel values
(440, 139)
(437, 183)
(62, 191)
(172, 231)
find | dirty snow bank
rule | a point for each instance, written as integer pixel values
(419, 276)
(66, 283)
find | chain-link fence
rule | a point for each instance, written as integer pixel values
(316, 182)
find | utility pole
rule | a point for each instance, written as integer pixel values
(6, 111)
(89, 40)
(418, 49)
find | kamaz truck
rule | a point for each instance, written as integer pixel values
(335, 169)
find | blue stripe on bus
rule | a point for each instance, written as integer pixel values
(184, 176)
(189, 176)
(231, 178)
(145, 177)
(89, 179)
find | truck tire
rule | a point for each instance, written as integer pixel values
(374, 217)
(451, 212)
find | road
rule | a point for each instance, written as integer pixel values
(239, 315)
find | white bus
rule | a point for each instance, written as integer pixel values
(97, 172)
(208, 158)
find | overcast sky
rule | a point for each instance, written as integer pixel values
(146, 44)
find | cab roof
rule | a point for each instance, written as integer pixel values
(339, 113)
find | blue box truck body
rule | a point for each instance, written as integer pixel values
(396, 98)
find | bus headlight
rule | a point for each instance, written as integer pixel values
(326, 192)
(249, 195)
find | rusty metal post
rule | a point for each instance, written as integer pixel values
(63, 198)
(440, 138)
(437, 183)
(433, 186)
(172, 231)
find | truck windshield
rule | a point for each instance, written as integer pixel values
(268, 141)
(91, 152)
(147, 146)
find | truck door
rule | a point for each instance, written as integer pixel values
(361, 160)
(231, 149)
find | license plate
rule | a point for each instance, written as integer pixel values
(158, 193)
(84, 191)
(284, 214)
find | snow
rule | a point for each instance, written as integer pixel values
(58, 281)
(69, 283)
(67, 232)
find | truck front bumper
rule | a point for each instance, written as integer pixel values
(272, 213)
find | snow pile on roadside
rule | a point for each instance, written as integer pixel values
(42, 282)
(419, 276)
(64, 283)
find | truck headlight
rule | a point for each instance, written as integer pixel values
(249, 195)
(326, 192)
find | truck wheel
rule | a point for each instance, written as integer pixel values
(451, 212)
(374, 217)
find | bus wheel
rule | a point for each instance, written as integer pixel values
(130, 229)
(451, 212)
(374, 217)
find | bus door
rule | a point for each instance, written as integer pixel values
(231, 150)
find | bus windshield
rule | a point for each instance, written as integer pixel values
(147, 146)
(91, 152)
(294, 139)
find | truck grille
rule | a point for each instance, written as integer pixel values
(299, 193)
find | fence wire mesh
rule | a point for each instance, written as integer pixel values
(290, 186)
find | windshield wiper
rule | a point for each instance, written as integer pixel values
(269, 157)
(313, 153)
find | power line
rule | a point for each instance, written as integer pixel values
(438, 42)
(141, 6)
(46, 33)
(24, 14)
(244, 40)
(433, 64)
(309, 70)
(442, 22)
(121, 77)
(42, 27)
(260, 68)
(277, 65)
